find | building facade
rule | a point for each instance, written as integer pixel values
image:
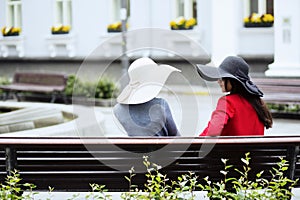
(72, 29)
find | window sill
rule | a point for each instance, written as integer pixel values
(65, 40)
(16, 42)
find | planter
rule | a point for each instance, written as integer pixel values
(12, 34)
(113, 31)
(59, 32)
(258, 25)
(181, 28)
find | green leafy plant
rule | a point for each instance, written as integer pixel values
(12, 189)
(278, 187)
(284, 107)
(4, 81)
(106, 88)
(159, 187)
(98, 192)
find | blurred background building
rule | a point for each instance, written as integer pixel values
(69, 30)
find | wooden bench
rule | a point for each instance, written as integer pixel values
(70, 164)
(53, 84)
(279, 90)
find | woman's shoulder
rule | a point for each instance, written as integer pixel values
(158, 100)
(231, 98)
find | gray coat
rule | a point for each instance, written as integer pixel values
(152, 118)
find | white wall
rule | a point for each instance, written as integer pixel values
(2, 13)
(91, 17)
(36, 26)
(255, 41)
(204, 23)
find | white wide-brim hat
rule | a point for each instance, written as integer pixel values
(146, 81)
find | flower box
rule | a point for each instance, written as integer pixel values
(254, 25)
(181, 23)
(10, 31)
(60, 29)
(11, 34)
(256, 20)
(113, 31)
(182, 28)
(59, 32)
(115, 27)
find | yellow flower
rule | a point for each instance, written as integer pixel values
(6, 31)
(182, 23)
(117, 26)
(66, 28)
(267, 18)
(191, 22)
(256, 18)
(61, 29)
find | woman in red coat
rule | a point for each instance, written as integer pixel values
(242, 112)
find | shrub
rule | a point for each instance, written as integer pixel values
(4, 81)
(106, 88)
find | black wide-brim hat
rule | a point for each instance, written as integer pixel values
(232, 67)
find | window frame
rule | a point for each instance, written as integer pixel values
(14, 13)
(186, 9)
(63, 15)
(262, 7)
(115, 10)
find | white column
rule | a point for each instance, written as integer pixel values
(287, 40)
(225, 22)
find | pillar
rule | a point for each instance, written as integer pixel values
(287, 39)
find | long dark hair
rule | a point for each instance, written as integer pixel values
(257, 103)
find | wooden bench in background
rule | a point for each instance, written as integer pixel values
(70, 164)
(49, 83)
(282, 95)
(279, 90)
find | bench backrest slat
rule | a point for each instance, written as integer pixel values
(71, 164)
(46, 79)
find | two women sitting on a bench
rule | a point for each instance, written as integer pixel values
(241, 112)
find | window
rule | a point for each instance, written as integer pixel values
(186, 9)
(258, 6)
(116, 7)
(14, 13)
(63, 12)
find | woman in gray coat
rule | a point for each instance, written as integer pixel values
(139, 111)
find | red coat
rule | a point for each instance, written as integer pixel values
(234, 116)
